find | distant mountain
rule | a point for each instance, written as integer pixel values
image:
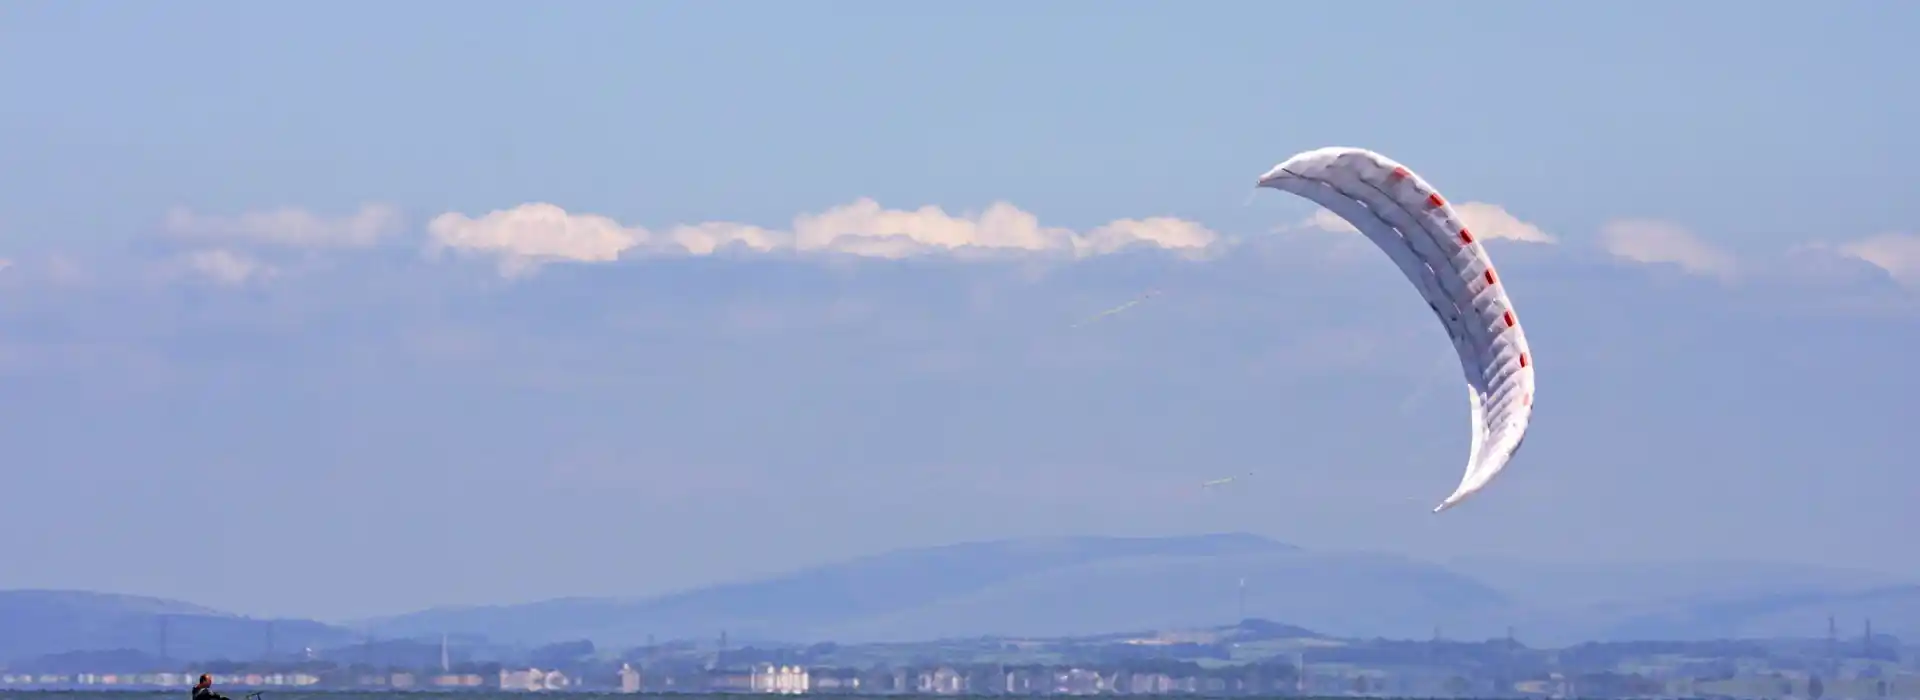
(1053, 587)
(37, 623)
(1056, 587)
(1895, 610)
(1598, 583)
(1563, 603)
(1090, 585)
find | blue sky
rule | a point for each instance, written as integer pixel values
(249, 261)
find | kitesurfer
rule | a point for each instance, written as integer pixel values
(204, 689)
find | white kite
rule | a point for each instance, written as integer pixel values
(1416, 227)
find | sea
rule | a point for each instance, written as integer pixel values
(453, 695)
(450, 695)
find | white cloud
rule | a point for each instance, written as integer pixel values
(531, 234)
(290, 227)
(1160, 231)
(223, 267)
(864, 228)
(1487, 221)
(1660, 242)
(1492, 221)
(705, 239)
(527, 235)
(1896, 253)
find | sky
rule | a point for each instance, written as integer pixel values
(355, 308)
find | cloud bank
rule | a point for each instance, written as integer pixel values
(1488, 221)
(1896, 253)
(1655, 242)
(526, 236)
(223, 267)
(289, 227)
(253, 247)
(217, 244)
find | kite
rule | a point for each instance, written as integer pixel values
(1420, 231)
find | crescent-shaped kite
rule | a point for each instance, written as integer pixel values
(1416, 227)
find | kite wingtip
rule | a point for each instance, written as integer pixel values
(1460, 494)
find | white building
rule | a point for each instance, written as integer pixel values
(942, 681)
(533, 680)
(787, 680)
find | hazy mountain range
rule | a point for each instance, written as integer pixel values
(35, 623)
(1066, 587)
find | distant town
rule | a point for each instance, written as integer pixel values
(1045, 617)
(1254, 657)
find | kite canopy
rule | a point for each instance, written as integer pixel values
(1416, 227)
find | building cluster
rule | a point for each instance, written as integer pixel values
(1190, 664)
(953, 680)
(399, 680)
(762, 679)
(1028, 680)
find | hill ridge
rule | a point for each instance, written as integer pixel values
(1067, 586)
